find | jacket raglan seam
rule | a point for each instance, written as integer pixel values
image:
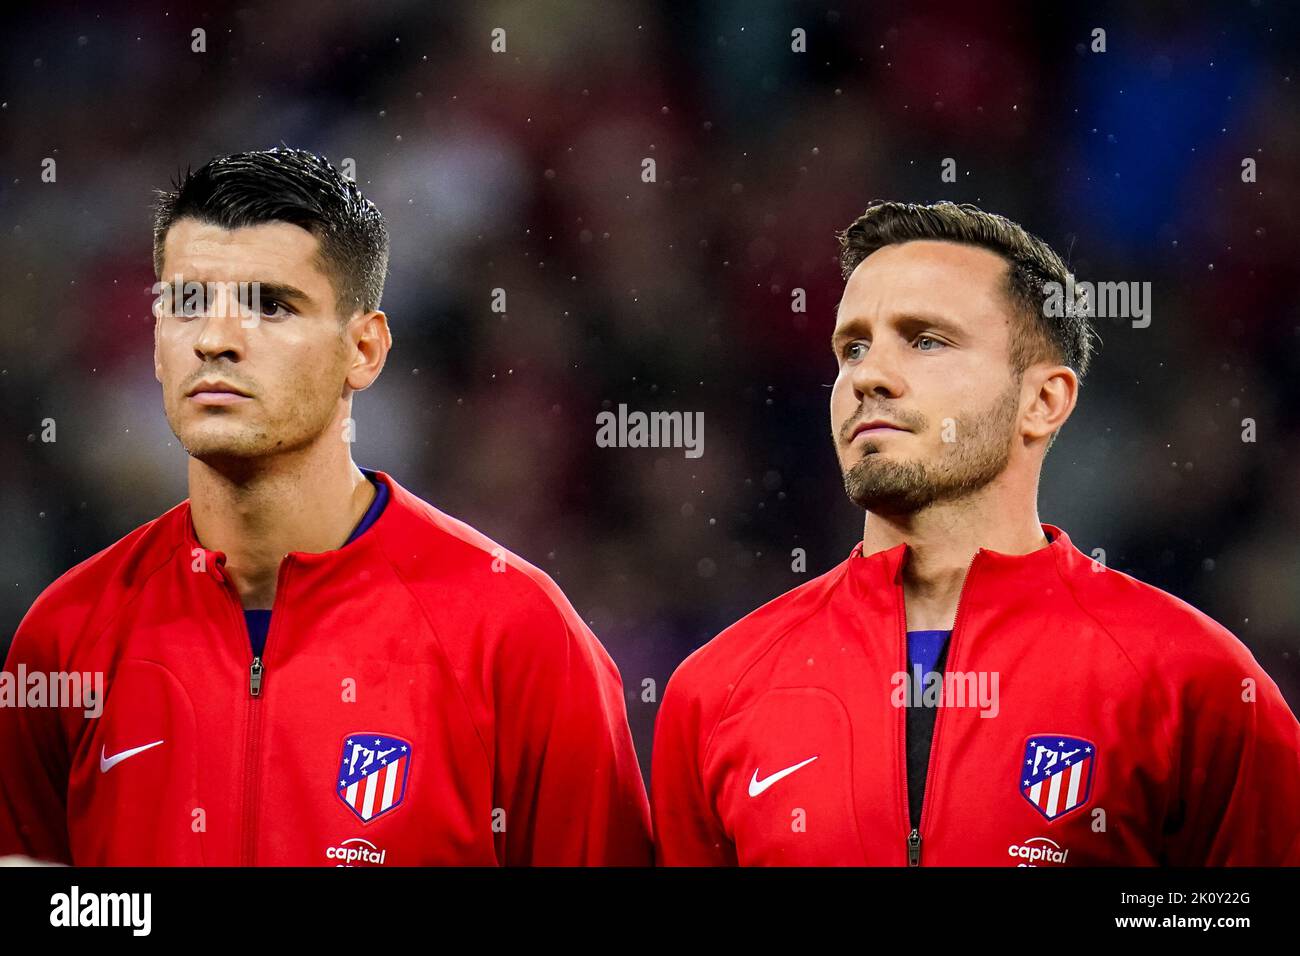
(722, 713)
(132, 596)
(96, 634)
(135, 593)
(442, 649)
(427, 511)
(1069, 586)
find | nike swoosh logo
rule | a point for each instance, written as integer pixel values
(757, 786)
(107, 763)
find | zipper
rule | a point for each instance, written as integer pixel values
(914, 833)
(248, 851)
(252, 739)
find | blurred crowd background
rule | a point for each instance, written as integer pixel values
(522, 170)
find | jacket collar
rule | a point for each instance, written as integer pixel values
(883, 569)
(399, 499)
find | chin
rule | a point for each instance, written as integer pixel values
(220, 444)
(868, 454)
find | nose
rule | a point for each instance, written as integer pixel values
(878, 373)
(222, 331)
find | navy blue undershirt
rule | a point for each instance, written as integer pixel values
(259, 619)
(926, 649)
(923, 648)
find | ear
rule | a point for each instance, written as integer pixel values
(371, 343)
(1054, 393)
(157, 363)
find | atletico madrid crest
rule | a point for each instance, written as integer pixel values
(1056, 773)
(373, 773)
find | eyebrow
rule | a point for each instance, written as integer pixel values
(907, 320)
(280, 291)
(283, 291)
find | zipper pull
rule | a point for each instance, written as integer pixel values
(914, 848)
(255, 678)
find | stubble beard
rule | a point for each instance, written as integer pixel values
(979, 454)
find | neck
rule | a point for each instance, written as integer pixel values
(257, 511)
(942, 541)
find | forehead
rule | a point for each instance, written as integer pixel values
(203, 250)
(963, 283)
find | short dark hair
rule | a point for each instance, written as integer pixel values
(1067, 339)
(294, 186)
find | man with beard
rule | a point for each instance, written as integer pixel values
(968, 688)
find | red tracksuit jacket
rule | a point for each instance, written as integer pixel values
(425, 698)
(1129, 729)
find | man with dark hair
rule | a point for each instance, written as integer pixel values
(305, 663)
(296, 187)
(968, 688)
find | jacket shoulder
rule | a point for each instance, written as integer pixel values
(1154, 627)
(716, 667)
(462, 577)
(98, 587)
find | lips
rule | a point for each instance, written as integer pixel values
(216, 387)
(873, 424)
(211, 391)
